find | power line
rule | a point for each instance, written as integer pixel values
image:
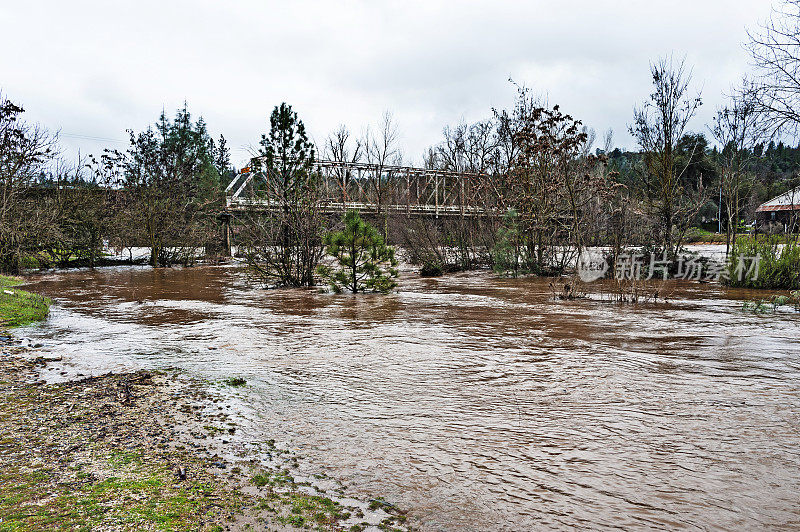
(91, 137)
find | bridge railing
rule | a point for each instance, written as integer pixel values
(377, 188)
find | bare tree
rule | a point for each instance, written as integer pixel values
(608, 141)
(452, 151)
(658, 126)
(506, 147)
(734, 128)
(381, 150)
(590, 138)
(468, 150)
(775, 50)
(340, 146)
(775, 90)
(481, 146)
(82, 212)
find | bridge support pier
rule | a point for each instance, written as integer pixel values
(226, 234)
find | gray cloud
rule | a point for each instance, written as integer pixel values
(95, 68)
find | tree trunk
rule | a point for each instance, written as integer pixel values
(353, 257)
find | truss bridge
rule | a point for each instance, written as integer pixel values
(375, 189)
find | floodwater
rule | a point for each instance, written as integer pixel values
(475, 402)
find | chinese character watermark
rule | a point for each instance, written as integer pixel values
(593, 265)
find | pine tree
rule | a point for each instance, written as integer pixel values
(366, 263)
(284, 246)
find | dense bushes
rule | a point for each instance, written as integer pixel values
(171, 173)
(25, 152)
(446, 245)
(778, 263)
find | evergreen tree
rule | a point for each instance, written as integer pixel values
(171, 176)
(366, 263)
(284, 246)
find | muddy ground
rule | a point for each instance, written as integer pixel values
(147, 451)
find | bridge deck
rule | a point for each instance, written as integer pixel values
(256, 205)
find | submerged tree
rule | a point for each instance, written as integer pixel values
(552, 183)
(366, 263)
(734, 128)
(284, 245)
(470, 149)
(171, 176)
(658, 126)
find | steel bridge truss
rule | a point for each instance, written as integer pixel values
(378, 189)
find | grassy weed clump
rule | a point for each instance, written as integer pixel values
(773, 303)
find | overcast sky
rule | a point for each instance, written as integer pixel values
(94, 68)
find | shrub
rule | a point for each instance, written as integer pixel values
(778, 264)
(509, 251)
(771, 304)
(698, 234)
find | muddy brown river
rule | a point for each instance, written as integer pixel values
(478, 403)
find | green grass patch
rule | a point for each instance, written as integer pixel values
(18, 307)
(696, 234)
(125, 458)
(272, 478)
(235, 381)
(147, 498)
(306, 510)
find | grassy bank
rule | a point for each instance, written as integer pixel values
(18, 307)
(150, 451)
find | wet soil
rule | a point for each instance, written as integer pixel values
(149, 450)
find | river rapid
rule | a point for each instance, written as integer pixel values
(476, 402)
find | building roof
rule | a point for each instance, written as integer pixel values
(788, 201)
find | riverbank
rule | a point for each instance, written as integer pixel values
(147, 451)
(18, 307)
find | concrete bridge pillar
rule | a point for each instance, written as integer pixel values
(226, 234)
